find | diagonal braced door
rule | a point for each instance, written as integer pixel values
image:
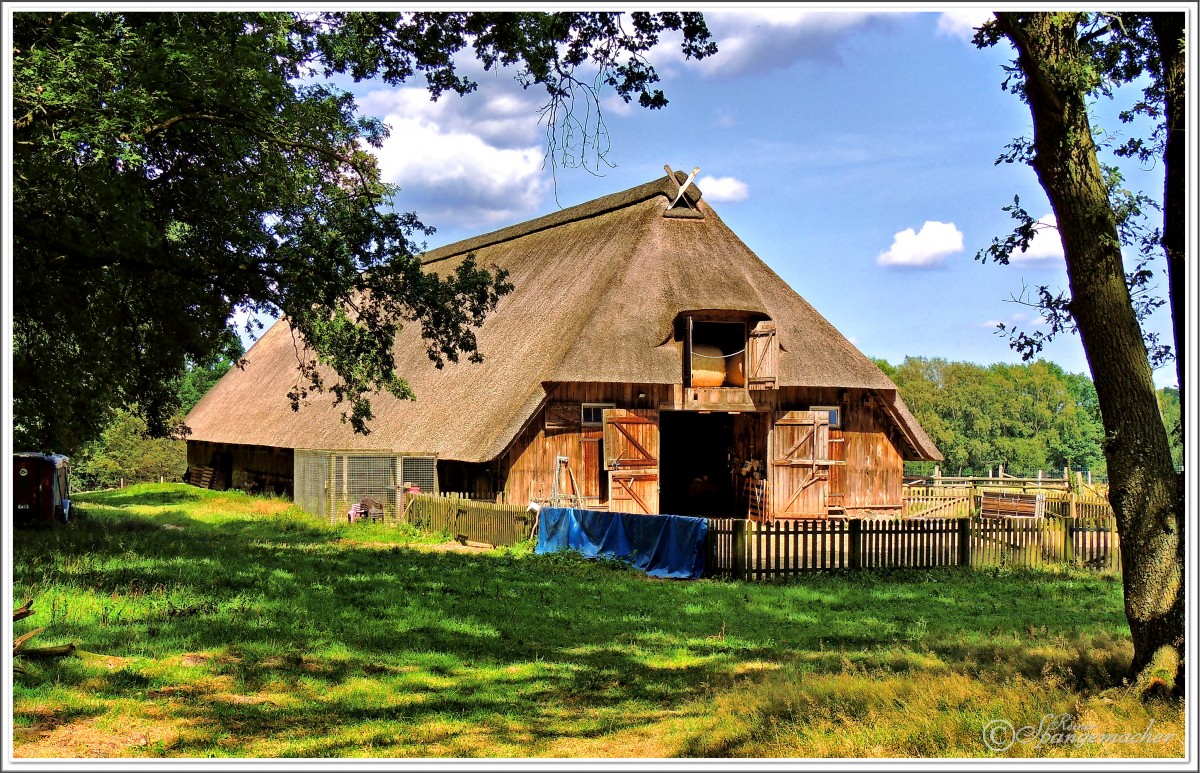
(631, 457)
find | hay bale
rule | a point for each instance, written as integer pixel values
(708, 366)
(735, 373)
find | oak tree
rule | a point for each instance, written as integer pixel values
(1064, 60)
(171, 169)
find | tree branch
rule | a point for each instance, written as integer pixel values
(1035, 75)
(297, 144)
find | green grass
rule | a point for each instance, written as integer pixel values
(217, 624)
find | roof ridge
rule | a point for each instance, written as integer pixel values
(656, 187)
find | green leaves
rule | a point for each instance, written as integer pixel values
(171, 169)
(1026, 417)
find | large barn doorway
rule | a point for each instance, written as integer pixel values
(702, 456)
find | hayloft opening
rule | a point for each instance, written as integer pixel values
(714, 352)
(705, 460)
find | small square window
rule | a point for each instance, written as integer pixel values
(834, 411)
(593, 414)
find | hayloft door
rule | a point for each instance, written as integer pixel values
(631, 457)
(800, 463)
(762, 356)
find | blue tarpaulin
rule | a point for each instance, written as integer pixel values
(659, 545)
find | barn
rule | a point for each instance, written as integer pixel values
(646, 361)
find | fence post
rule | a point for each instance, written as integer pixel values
(964, 541)
(856, 544)
(739, 549)
(1068, 527)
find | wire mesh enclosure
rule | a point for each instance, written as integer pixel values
(327, 483)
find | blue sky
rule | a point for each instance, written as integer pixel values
(851, 150)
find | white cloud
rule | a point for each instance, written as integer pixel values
(761, 40)
(474, 161)
(726, 119)
(1045, 249)
(991, 324)
(723, 188)
(929, 247)
(615, 105)
(962, 22)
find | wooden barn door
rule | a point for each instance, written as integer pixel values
(631, 457)
(800, 464)
(762, 356)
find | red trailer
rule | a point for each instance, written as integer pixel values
(41, 488)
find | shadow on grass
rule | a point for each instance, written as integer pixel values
(125, 497)
(404, 652)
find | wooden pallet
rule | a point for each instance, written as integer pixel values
(201, 477)
(1002, 504)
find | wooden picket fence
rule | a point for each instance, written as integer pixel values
(469, 519)
(748, 550)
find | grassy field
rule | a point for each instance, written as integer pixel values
(216, 624)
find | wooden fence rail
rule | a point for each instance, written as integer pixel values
(748, 550)
(1076, 530)
(468, 519)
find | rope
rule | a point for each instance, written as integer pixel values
(719, 356)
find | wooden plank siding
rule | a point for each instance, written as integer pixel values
(530, 460)
(255, 469)
(800, 465)
(869, 481)
(875, 468)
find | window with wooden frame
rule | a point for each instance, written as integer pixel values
(592, 414)
(834, 411)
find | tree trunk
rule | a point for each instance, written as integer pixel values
(1145, 492)
(1168, 34)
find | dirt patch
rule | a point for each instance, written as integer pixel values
(454, 547)
(437, 547)
(84, 739)
(244, 700)
(194, 659)
(112, 662)
(661, 737)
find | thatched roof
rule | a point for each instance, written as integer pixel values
(597, 290)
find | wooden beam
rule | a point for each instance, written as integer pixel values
(633, 495)
(649, 457)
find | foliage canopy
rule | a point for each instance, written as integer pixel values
(174, 168)
(1028, 417)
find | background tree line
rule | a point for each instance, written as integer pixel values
(1028, 417)
(127, 451)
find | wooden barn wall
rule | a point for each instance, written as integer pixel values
(873, 475)
(530, 459)
(877, 468)
(257, 469)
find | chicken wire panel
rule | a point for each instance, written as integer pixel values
(420, 471)
(310, 475)
(327, 483)
(371, 477)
